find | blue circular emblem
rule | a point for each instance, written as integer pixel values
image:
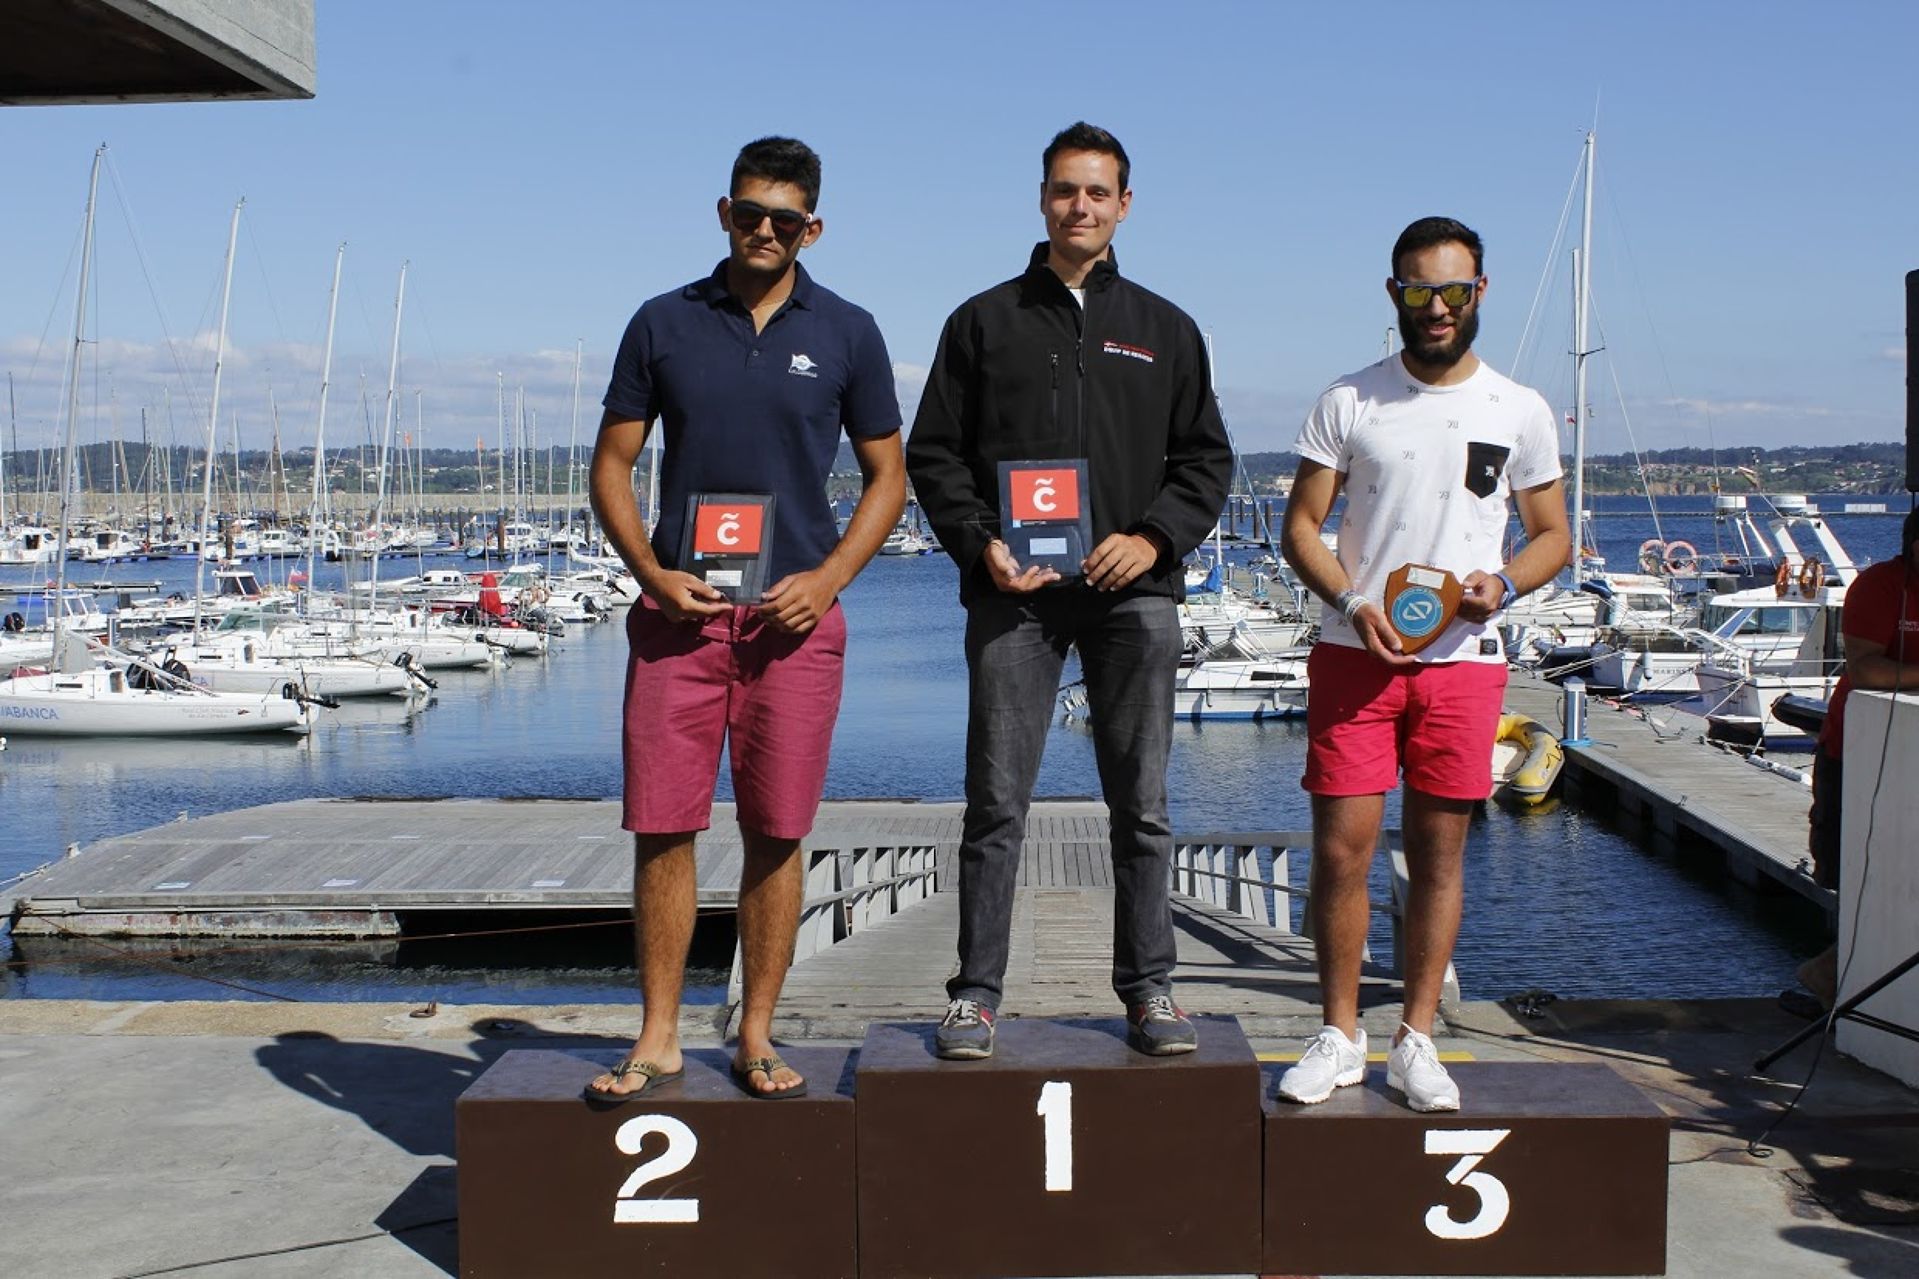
(1417, 612)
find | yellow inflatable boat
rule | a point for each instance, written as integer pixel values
(1526, 759)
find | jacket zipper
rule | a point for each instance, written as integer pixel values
(1079, 362)
(1054, 358)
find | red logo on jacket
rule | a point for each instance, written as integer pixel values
(1127, 349)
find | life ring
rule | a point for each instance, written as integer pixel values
(1652, 555)
(1782, 581)
(1812, 576)
(1681, 557)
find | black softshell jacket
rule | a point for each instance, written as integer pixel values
(1022, 372)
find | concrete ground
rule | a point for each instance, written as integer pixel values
(282, 1140)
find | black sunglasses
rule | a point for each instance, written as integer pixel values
(1416, 297)
(787, 223)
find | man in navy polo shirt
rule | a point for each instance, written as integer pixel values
(754, 371)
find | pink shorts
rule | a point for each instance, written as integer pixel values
(772, 697)
(1365, 722)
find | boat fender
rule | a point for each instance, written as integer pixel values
(1782, 581)
(1812, 576)
(15, 623)
(1681, 557)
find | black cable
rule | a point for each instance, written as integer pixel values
(289, 1249)
(1756, 1147)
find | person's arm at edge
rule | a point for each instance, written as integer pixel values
(1315, 489)
(798, 601)
(1867, 665)
(610, 485)
(1542, 512)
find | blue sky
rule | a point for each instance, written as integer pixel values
(547, 167)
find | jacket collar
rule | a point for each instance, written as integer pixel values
(1101, 277)
(713, 291)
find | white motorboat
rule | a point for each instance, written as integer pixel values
(903, 541)
(28, 544)
(1270, 687)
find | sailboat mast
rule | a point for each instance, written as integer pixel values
(56, 607)
(1583, 270)
(315, 516)
(213, 418)
(572, 445)
(15, 422)
(386, 440)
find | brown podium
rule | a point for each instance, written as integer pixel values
(1548, 1169)
(1066, 1153)
(699, 1180)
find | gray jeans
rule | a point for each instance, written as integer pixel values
(1015, 648)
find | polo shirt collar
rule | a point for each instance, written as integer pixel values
(713, 291)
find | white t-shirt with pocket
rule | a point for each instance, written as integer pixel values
(1427, 474)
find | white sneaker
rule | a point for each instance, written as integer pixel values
(1330, 1061)
(1413, 1068)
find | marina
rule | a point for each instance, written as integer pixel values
(901, 736)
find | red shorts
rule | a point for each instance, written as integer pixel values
(772, 697)
(1365, 722)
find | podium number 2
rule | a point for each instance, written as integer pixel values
(681, 1146)
(1473, 1145)
(1056, 1108)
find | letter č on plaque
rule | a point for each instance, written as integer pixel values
(700, 1180)
(1547, 1169)
(1065, 1153)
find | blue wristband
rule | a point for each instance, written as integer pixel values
(1512, 592)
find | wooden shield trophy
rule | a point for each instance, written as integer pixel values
(1421, 601)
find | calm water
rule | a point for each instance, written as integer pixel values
(1554, 899)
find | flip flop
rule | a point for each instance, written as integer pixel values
(743, 1072)
(631, 1066)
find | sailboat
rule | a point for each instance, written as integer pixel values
(1560, 621)
(83, 695)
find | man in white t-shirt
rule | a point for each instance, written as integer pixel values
(1427, 446)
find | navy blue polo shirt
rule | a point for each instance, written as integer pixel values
(748, 412)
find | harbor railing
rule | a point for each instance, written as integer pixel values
(1244, 873)
(1248, 874)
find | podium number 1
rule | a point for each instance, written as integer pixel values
(681, 1146)
(1056, 1108)
(1473, 1145)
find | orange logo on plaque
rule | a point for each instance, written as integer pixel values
(727, 530)
(1045, 494)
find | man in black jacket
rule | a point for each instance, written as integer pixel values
(1071, 362)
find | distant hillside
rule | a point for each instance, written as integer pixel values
(1833, 468)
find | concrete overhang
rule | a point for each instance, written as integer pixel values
(70, 51)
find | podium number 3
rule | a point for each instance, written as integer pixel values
(681, 1146)
(1056, 1108)
(1473, 1145)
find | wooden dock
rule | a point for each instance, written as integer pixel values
(326, 867)
(877, 936)
(1670, 789)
